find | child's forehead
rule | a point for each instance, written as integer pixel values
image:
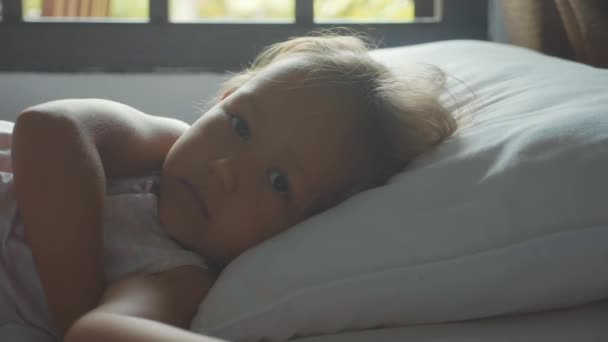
(298, 81)
(307, 107)
(294, 71)
(287, 93)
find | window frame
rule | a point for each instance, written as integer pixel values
(161, 45)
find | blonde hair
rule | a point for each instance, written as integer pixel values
(404, 117)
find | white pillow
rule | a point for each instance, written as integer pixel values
(509, 216)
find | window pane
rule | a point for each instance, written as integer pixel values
(232, 10)
(364, 10)
(132, 10)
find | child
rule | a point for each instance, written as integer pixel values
(313, 121)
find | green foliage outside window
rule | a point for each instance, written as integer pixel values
(324, 10)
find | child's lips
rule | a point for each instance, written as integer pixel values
(198, 198)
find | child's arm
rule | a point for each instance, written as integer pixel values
(147, 308)
(62, 151)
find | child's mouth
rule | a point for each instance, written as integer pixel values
(200, 202)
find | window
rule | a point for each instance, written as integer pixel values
(224, 11)
(243, 11)
(73, 10)
(357, 11)
(211, 35)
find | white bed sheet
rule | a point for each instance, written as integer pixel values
(588, 323)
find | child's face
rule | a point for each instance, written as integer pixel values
(260, 161)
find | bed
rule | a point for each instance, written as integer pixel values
(584, 323)
(500, 234)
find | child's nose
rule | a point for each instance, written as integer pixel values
(224, 170)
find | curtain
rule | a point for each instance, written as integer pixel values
(75, 8)
(573, 29)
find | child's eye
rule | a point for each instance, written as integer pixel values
(240, 126)
(279, 182)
